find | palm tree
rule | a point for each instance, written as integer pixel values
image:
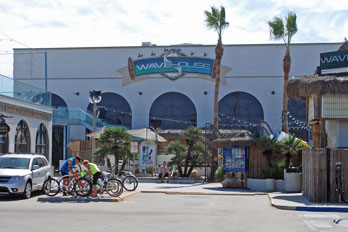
(268, 146)
(289, 148)
(217, 20)
(285, 32)
(115, 141)
(190, 154)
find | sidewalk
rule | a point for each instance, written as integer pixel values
(285, 201)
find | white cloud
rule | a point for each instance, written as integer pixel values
(66, 23)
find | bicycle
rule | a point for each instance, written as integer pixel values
(80, 185)
(106, 183)
(129, 181)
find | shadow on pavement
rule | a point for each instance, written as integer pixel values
(19, 197)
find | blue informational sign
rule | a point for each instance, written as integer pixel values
(234, 159)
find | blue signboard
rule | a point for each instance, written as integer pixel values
(178, 65)
(234, 159)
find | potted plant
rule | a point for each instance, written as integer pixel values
(291, 149)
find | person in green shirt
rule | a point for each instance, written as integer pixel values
(95, 171)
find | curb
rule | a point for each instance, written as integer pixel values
(308, 208)
(199, 193)
(85, 199)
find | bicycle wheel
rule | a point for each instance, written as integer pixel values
(130, 183)
(85, 189)
(114, 187)
(50, 187)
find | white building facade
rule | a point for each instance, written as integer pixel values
(148, 85)
(30, 127)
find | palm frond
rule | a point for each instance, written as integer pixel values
(276, 27)
(291, 25)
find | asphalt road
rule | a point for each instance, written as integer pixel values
(163, 212)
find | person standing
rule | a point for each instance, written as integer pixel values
(66, 168)
(95, 171)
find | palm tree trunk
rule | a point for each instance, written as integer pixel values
(123, 165)
(187, 159)
(286, 68)
(116, 163)
(219, 50)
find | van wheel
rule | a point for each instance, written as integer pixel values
(27, 191)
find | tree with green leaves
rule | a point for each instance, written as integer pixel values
(216, 19)
(115, 141)
(284, 30)
(268, 146)
(189, 155)
(289, 148)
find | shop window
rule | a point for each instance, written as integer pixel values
(240, 110)
(22, 138)
(3, 144)
(42, 146)
(113, 109)
(172, 111)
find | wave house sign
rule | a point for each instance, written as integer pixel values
(171, 65)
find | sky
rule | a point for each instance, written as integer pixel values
(94, 23)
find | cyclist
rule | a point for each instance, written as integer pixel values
(95, 171)
(67, 167)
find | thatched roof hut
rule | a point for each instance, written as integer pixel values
(231, 138)
(320, 85)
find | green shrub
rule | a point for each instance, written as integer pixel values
(219, 174)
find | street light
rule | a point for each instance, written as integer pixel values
(94, 98)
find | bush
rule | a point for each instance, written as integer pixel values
(219, 174)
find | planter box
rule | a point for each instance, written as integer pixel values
(257, 184)
(279, 185)
(292, 182)
(270, 185)
(265, 185)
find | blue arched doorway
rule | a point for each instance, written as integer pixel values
(240, 109)
(172, 111)
(113, 109)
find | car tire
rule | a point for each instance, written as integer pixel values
(27, 190)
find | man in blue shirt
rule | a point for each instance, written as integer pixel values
(67, 167)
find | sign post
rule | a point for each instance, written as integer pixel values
(134, 149)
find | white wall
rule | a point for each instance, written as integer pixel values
(33, 123)
(256, 69)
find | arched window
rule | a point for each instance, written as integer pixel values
(42, 146)
(173, 111)
(22, 138)
(297, 118)
(239, 109)
(3, 144)
(113, 109)
(57, 101)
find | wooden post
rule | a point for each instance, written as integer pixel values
(322, 133)
(316, 135)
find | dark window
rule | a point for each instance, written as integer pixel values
(297, 118)
(57, 101)
(22, 138)
(241, 110)
(42, 146)
(173, 111)
(113, 109)
(3, 144)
